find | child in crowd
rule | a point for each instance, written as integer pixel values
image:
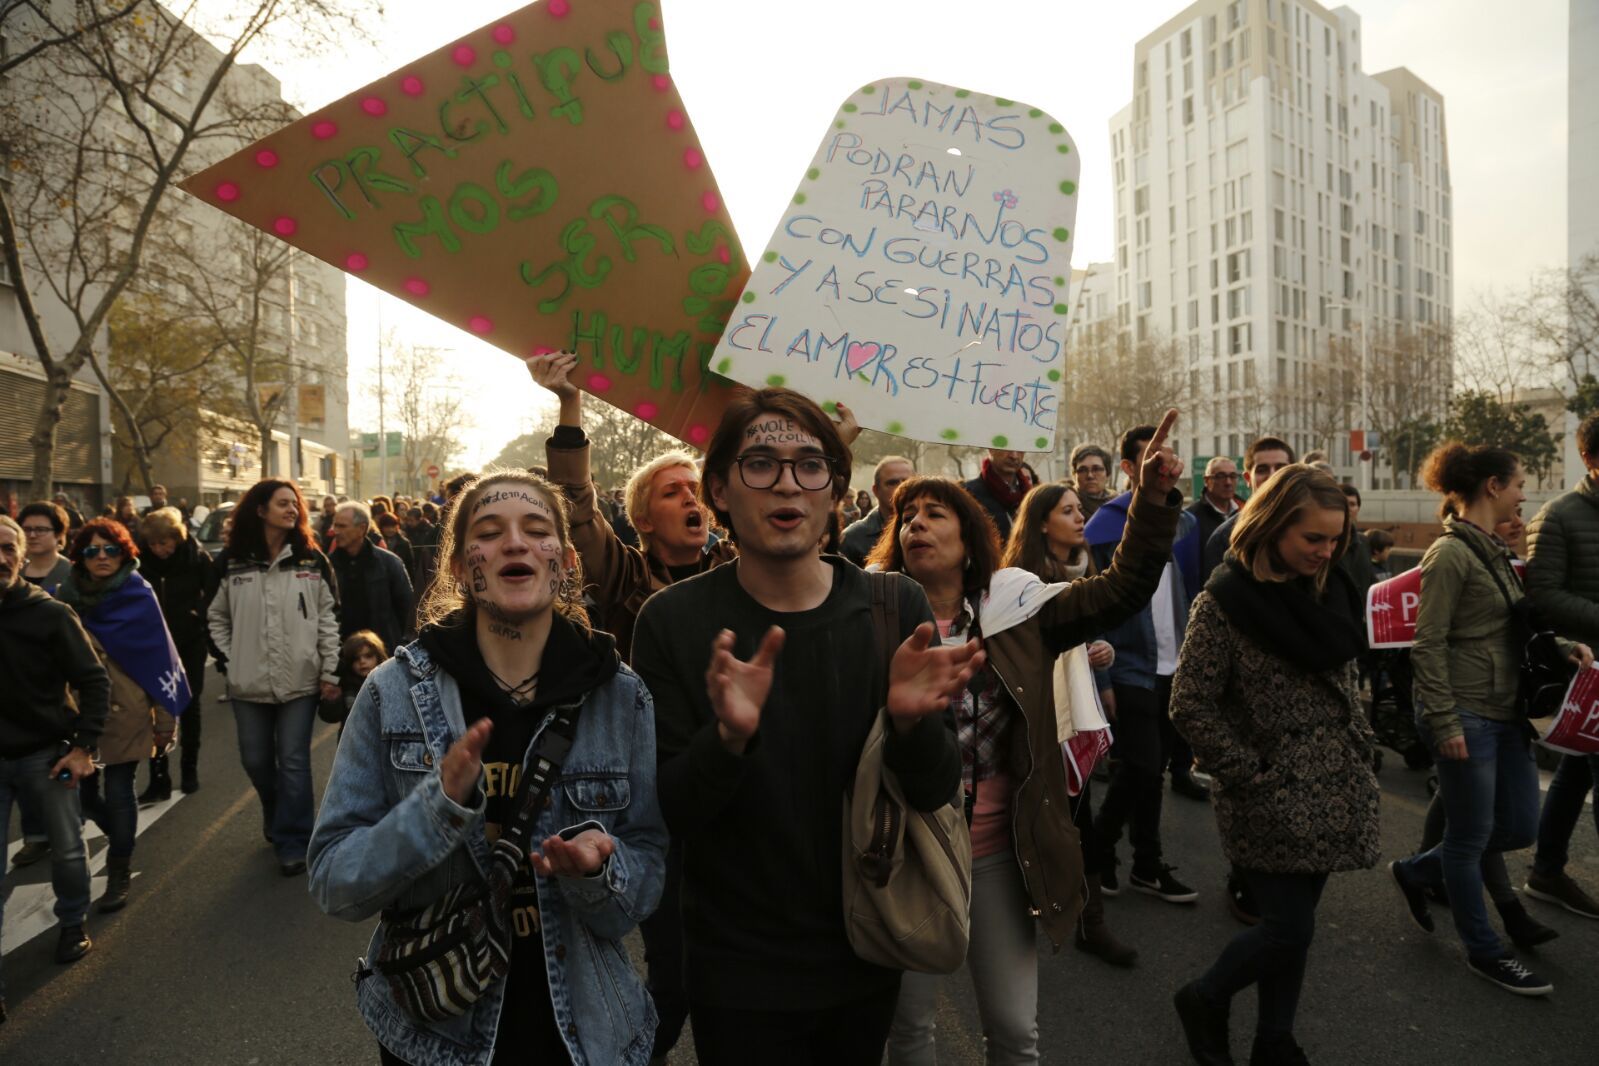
(360, 655)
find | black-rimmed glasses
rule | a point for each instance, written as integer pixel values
(811, 472)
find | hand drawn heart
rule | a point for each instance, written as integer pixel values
(859, 353)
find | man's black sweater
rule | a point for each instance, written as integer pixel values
(762, 833)
(44, 649)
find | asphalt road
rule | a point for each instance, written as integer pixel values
(219, 960)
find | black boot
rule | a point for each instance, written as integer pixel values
(1525, 930)
(191, 778)
(1205, 1026)
(160, 789)
(73, 943)
(119, 876)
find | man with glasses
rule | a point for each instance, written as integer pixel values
(44, 525)
(1219, 501)
(1091, 467)
(46, 748)
(1263, 458)
(766, 684)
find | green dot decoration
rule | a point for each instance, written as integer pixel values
(1061, 148)
(1068, 187)
(963, 93)
(1061, 233)
(1058, 281)
(830, 407)
(849, 107)
(839, 124)
(1033, 112)
(749, 297)
(1056, 127)
(799, 197)
(1002, 102)
(502, 59)
(868, 89)
(1041, 443)
(1062, 309)
(724, 366)
(1054, 375)
(896, 427)
(914, 84)
(813, 174)
(771, 257)
(1000, 441)
(950, 434)
(775, 379)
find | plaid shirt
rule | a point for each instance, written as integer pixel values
(982, 715)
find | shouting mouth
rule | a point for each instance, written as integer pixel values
(694, 522)
(516, 573)
(786, 519)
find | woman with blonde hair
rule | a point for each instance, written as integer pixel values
(507, 712)
(1265, 691)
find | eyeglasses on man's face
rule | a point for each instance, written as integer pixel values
(1086, 469)
(110, 551)
(811, 472)
(1222, 477)
(39, 531)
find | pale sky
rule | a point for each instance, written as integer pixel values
(762, 80)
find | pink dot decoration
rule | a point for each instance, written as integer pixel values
(355, 262)
(646, 410)
(661, 83)
(374, 106)
(692, 158)
(724, 255)
(324, 129)
(599, 383)
(480, 324)
(699, 434)
(411, 85)
(655, 24)
(710, 202)
(266, 158)
(284, 226)
(674, 120)
(417, 287)
(464, 55)
(228, 192)
(560, 8)
(503, 34)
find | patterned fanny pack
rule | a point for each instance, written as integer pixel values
(440, 960)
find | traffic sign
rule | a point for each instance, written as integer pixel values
(433, 470)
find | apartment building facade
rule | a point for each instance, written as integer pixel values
(1283, 219)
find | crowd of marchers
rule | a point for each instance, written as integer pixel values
(565, 713)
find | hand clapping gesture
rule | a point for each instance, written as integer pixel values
(1161, 469)
(738, 690)
(923, 679)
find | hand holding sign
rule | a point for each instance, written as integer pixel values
(1160, 469)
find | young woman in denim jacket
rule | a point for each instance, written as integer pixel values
(433, 751)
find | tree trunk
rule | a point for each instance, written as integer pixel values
(58, 384)
(266, 450)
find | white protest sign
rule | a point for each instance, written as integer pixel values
(920, 272)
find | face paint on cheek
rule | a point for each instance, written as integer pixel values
(479, 582)
(555, 578)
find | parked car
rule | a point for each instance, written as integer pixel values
(210, 534)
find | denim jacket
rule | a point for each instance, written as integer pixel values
(388, 836)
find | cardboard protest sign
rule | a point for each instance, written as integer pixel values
(537, 183)
(1575, 730)
(1392, 606)
(920, 272)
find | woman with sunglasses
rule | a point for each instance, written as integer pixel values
(123, 617)
(1027, 862)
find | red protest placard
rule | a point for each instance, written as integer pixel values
(537, 183)
(1575, 730)
(1391, 608)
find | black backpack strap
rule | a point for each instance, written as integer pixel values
(885, 625)
(543, 768)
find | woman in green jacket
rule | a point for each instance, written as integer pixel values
(1467, 660)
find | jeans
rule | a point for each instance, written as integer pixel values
(275, 748)
(57, 806)
(1143, 738)
(851, 1034)
(1272, 955)
(1003, 963)
(1495, 877)
(1562, 810)
(1490, 804)
(117, 811)
(663, 957)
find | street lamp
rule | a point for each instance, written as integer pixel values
(1365, 409)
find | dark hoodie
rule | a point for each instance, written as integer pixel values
(44, 649)
(575, 662)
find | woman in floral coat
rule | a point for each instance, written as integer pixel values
(1265, 691)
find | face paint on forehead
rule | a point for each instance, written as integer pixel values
(527, 496)
(774, 430)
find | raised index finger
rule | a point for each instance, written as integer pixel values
(1162, 431)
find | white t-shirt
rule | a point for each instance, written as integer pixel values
(1165, 619)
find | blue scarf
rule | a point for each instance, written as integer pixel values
(125, 617)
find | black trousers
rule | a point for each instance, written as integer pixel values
(189, 723)
(852, 1034)
(663, 956)
(1143, 744)
(1271, 955)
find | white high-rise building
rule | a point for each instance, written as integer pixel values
(1283, 217)
(1582, 171)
